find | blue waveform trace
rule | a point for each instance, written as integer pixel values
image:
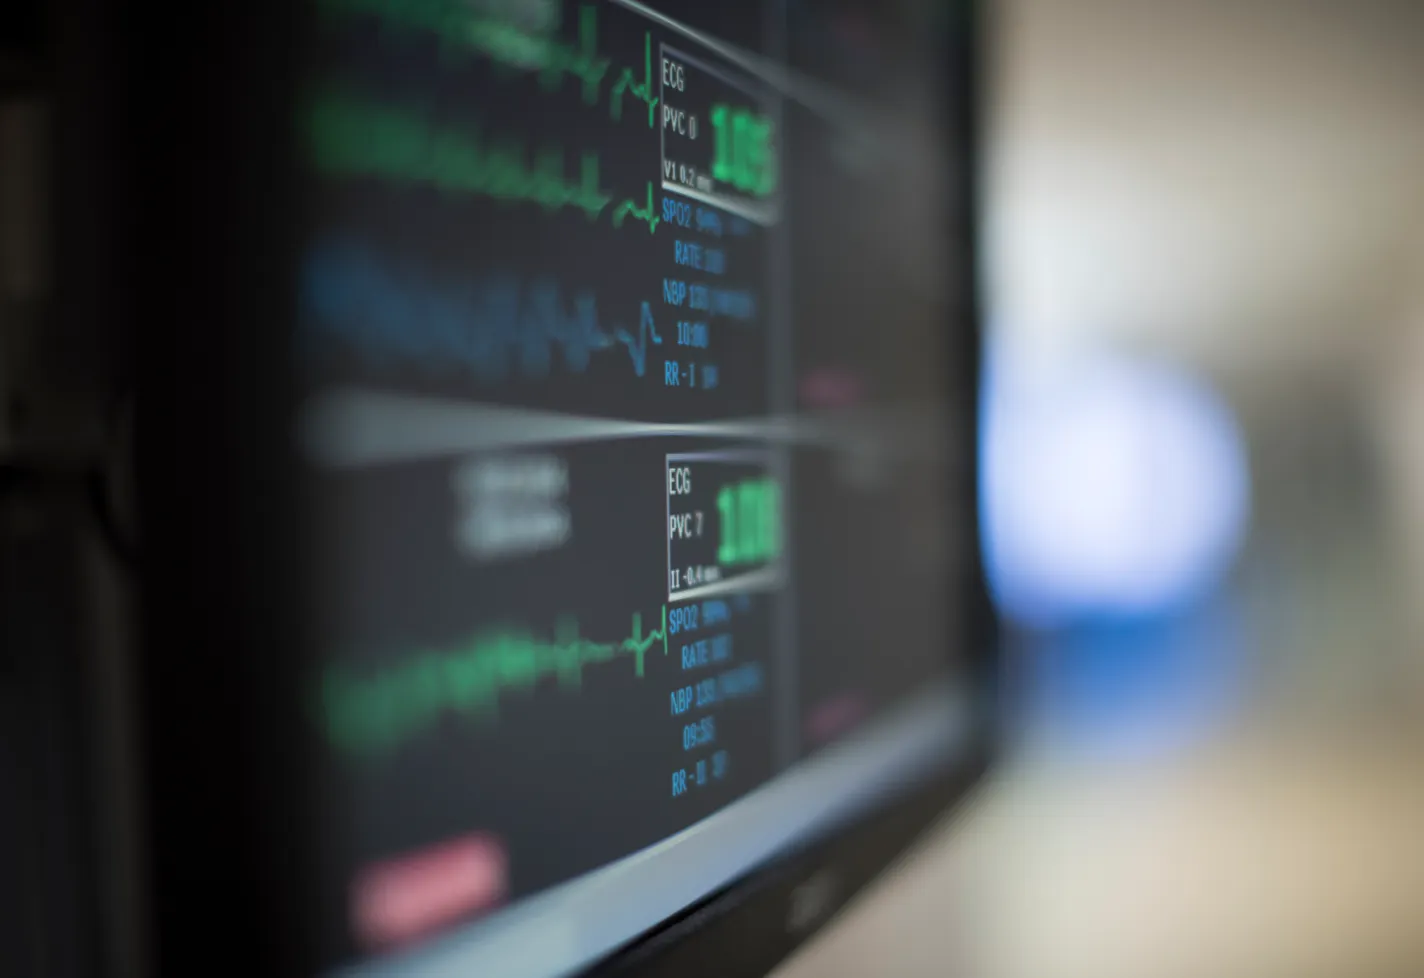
(350, 295)
(638, 345)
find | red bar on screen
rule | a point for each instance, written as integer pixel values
(400, 899)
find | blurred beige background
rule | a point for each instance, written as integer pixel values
(1237, 189)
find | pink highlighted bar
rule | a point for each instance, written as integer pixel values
(834, 717)
(830, 387)
(401, 899)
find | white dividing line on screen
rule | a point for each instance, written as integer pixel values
(356, 427)
(353, 427)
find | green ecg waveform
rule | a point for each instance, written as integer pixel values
(365, 715)
(630, 209)
(461, 27)
(627, 83)
(513, 47)
(354, 137)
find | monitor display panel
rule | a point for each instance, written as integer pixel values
(627, 392)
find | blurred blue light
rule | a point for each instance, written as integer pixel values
(1110, 487)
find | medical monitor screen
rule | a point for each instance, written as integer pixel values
(633, 411)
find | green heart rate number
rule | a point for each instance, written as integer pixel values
(743, 153)
(750, 522)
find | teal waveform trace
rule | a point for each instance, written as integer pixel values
(354, 137)
(389, 316)
(550, 57)
(372, 714)
(638, 345)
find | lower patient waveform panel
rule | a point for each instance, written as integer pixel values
(539, 686)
